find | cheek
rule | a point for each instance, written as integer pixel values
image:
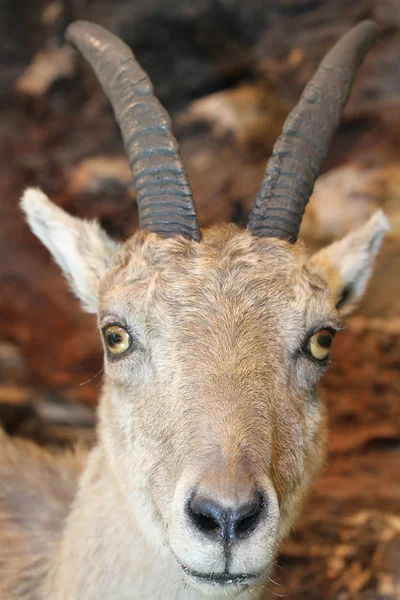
(116, 415)
(147, 429)
(298, 442)
(297, 462)
(316, 422)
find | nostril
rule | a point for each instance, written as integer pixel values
(246, 519)
(207, 516)
(243, 526)
(205, 523)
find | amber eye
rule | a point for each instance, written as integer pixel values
(117, 339)
(320, 343)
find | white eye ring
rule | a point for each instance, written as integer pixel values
(320, 344)
(117, 339)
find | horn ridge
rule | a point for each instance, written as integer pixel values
(146, 130)
(306, 136)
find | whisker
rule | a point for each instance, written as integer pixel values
(275, 593)
(94, 377)
(278, 565)
(264, 587)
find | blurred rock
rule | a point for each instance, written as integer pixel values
(194, 49)
(101, 188)
(21, 35)
(46, 68)
(27, 411)
(343, 199)
(13, 365)
(101, 174)
(13, 417)
(368, 559)
(52, 12)
(56, 436)
(15, 395)
(191, 49)
(58, 409)
(250, 114)
(354, 557)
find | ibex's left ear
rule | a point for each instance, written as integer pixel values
(347, 264)
(81, 248)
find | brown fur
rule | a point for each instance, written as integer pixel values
(216, 395)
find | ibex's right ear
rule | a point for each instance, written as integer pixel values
(81, 248)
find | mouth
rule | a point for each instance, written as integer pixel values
(223, 579)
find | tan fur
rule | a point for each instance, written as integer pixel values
(217, 395)
(36, 493)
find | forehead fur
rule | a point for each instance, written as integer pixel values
(227, 276)
(224, 253)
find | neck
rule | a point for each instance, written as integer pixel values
(102, 554)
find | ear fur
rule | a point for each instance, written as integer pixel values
(347, 264)
(81, 248)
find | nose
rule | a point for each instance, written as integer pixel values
(229, 524)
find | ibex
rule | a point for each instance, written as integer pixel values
(211, 426)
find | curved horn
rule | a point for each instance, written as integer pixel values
(297, 155)
(164, 197)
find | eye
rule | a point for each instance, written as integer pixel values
(117, 339)
(320, 344)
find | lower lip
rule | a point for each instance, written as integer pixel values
(234, 580)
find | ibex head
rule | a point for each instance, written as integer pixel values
(214, 343)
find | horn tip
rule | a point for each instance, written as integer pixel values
(78, 29)
(370, 29)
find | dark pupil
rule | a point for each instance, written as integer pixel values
(325, 340)
(114, 339)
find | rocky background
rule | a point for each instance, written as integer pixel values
(228, 71)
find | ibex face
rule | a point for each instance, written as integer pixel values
(210, 417)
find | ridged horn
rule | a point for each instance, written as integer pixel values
(164, 197)
(307, 132)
